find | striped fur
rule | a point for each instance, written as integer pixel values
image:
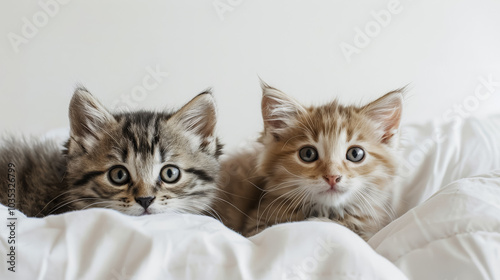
(53, 180)
(270, 184)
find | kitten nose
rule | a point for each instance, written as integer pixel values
(145, 201)
(332, 180)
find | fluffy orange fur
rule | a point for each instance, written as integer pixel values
(271, 183)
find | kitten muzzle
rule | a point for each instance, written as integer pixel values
(332, 180)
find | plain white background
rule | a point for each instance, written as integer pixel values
(442, 48)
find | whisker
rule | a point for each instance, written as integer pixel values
(52, 201)
(74, 200)
(233, 206)
(274, 201)
(92, 204)
(254, 185)
(233, 194)
(284, 168)
(289, 140)
(294, 203)
(207, 208)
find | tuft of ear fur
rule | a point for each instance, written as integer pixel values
(87, 116)
(199, 115)
(387, 111)
(278, 110)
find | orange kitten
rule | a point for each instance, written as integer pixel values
(329, 162)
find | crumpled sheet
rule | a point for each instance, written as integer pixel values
(453, 235)
(105, 244)
(446, 230)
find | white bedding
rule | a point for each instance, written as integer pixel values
(455, 234)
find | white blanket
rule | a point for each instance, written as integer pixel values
(104, 244)
(455, 234)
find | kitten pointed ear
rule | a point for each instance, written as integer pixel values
(199, 115)
(87, 116)
(278, 110)
(387, 111)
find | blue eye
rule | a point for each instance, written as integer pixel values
(119, 175)
(355, 154)
(308, 154)
(170, 174)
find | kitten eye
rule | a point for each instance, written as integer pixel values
(355, 154)
(118, 175)
(170, 174)
(308, 154)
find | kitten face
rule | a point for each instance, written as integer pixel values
(143, 162)
(330, 156)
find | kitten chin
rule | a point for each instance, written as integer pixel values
(330, 162)
(137, 163)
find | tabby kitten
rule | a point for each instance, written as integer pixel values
(329, 162)
(137, 163)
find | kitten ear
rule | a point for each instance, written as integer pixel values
(387, 111)
(199, 115)
(278, 110)
(87, 116)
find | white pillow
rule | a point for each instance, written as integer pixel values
(434, 155)
(453, 235)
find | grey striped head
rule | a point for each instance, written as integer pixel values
(143, 162)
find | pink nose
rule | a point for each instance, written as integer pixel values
(332, 180)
